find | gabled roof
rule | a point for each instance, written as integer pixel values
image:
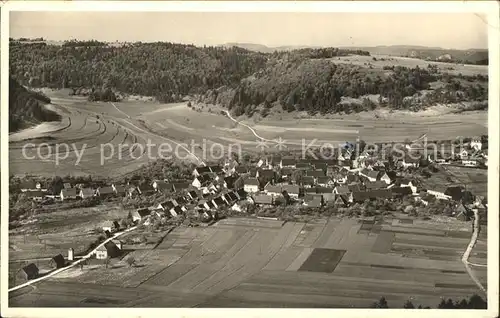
(456, 192)
(241, 193)
(177, 209)
(87, 192)
(241, 169)
(324, 190)
(167, 205)
(71, 192)
(308, 180)
(291, 189)
(354, 187)
(145, 188)
(273, 188)
(106, 190)
(401, 190)
(194, 194)
(219, 201)
(143, 212)
(373, 194)
(59, 260)
(204, 178)
(304, 165)
(181, 200)
(202, 170)
(120, 189)
(315, 203)
(180, 185)
(310, 190)
(376, 185)
(315, 173)
(28, 185)
(252, 181)
(266, 173)
(323, 180)
(31, 269)
(163, 185)
(215, 169)
(343, 190)
(34, 194)
(263, 199)
(288, 161)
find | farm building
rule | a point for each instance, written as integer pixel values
(109, 249)
(58, 261)
(35, 195)
(292, 191)
(118, 243)
(29, 272)
(110, 226)
(178, 210)
(105, 191)
(376, 185)
(463, 213)
(119, 190)
(251, 185)
(198, 171)
(140, 214)
(273, 190)
(401, 191)
(146, 189)
(456, 193)
(31, 186)
(263, 200)
(361, 196)
(86, 193)
(68, 194)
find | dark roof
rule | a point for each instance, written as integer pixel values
(290, 188)
(324, 190)
(181, 200)
(375, 185)
(456, 192)
(266, 173)
(31, 269)
(343, 189)
(354, 187)
(288, 161)
(202, 170)
(252, 181)
(204, 178)
(59, 260)
(241, 169)
(304, 165)
(87, 191)
(230, 181)
(35, 194)
(308, 180)
(28, 185)
(145, 188)
(143, 212)
(215, 169)
(315, 203)
(401, 190)
(69, 192)
(106, 190)
(194, 194)
(241, 193)
(231, 196)
(263, 199)
(321, 165)
(286, 171)
(177, 209)
(315, 173)
(323, 179)
(163, 185)
(219, 201)
(310, 190)
(181, 185)
(273, 188)
(167, 205)
(370, 173)
(373, 194)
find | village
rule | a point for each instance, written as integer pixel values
(355, 185)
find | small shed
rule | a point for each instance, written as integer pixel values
(29, 271)
(58, 261)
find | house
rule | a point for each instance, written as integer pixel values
(180, 200)
(162, 186)
(236, 207)
(304, 166)
(203, 205)
(408, 183)
(308, 181)
(201, 181)
(180, 186)
(361, 196)
(470, 162)
(193, 195)
(288, 163)
(251, 185)
(29, 272)
(219, 202)
(241, 194)
(166, 206)
(119, 190)
(58, 261)
(341, 201)
(379, 184)
(178, 210)
(315, 173)
(241, 170)
(229, 182)
(326, 193)
(146, 189)
(86, 193)
(110, 226)
(341, 190)
(383, 176)
(231, 197)
(216, 169)
(354, 187)
(263, 200)
(292, 191)
(321, 166)
(371, 175)
(266, 174)
(31, 186)
(401, 191)
(464, 154)
(132, 191)
(410, 161)
(476, 143)
(325, 182)
(439, 192)
(273, 190)
(463, 213)
(68, 194)
(36, 195)
(105, 192)
(456, 193)
(315, 202)
(109, 249)
(198, 171)
(286, 173)
(140, 214)
(118, 243)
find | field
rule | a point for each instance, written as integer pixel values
(111, 139)
(242, 262)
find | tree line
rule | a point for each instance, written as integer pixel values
(473, 302)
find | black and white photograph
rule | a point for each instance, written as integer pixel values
(274, 155)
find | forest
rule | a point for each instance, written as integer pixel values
(244, 81)
(26, 107)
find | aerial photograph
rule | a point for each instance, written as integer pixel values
(247, 160)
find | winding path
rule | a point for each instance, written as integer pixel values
(465, 257)
(245, 125)
(57, 271)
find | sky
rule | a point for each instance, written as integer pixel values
(446, 30)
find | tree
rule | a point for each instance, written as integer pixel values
(382, 303)
(408, 305)
(130, 261)
(107, 261)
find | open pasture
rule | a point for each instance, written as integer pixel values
(242, 262)
(385, 60)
